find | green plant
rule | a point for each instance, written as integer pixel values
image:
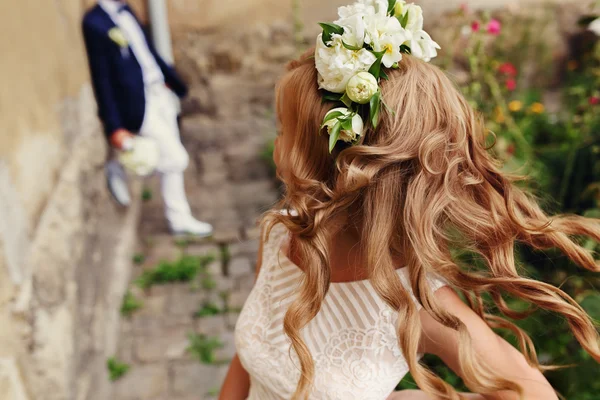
(225, 254)
(208, 309)
(505, 79)
(116, 368)
(225, 295)
(146, 194)
(130, 304)
(203, 347)
(298, 27)
(138, 258)
(182, 243)
(267, 156)
(183, 270)
(208, 282)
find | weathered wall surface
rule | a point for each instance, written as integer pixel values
(62, 242)
(213, 15)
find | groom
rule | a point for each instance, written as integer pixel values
(134, 90)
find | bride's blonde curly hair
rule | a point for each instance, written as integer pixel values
(420, 185)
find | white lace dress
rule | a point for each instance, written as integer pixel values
(352, 340)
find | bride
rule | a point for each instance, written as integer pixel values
(386, 171)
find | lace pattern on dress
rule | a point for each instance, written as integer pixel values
(352, 340)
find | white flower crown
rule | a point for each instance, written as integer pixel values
(351, 55)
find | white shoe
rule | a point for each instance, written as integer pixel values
(117, 183)
(191, 226)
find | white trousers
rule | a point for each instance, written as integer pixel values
(160, 124)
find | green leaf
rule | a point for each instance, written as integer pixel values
(330, 116)
(329, 96)
(347, 125)
(375, 109)
(383, 75)
(346, 100)
(405, 49)
(329, 30)
(585, 20)
(375, 69)
(334, 135)
(387, 107)
(404, 20)
(591, 304)
(349, 47)
(391, 7)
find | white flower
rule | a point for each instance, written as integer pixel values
(423, 47)
(415, 18)
(117, 36)
(143, 158)
(337, 64)
(595, 26)
(352, 19)
(361, 87)
(419, 41)
(466, 30)
(347, 135)
(385, 34)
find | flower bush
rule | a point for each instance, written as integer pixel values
(508, 78)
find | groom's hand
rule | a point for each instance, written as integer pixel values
(122, 139)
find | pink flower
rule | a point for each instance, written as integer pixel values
(594, 100)
(508, 69)
(494, 27)
(464, 7)
(511, 84)
(475, 26)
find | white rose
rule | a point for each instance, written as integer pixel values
(361, 87)
(352, 19)
(336, 64)
(595, 26)
(347, 135)
(354, 30)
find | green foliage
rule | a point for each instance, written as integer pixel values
(298, 27)
(267, 155)
(138, 259)
(225, 254)
(208, 283)
(130, 304)
(207, 310)
(146, 194)
(203, 347)
(183, 270)
(116, 369)
(437, 366)
(507, 77)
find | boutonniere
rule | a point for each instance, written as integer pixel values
(117, 36)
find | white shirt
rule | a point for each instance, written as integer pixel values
(137, 41)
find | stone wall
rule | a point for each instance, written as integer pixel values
(64, 247)
(222, 15)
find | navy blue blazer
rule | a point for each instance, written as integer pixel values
(117, 76)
